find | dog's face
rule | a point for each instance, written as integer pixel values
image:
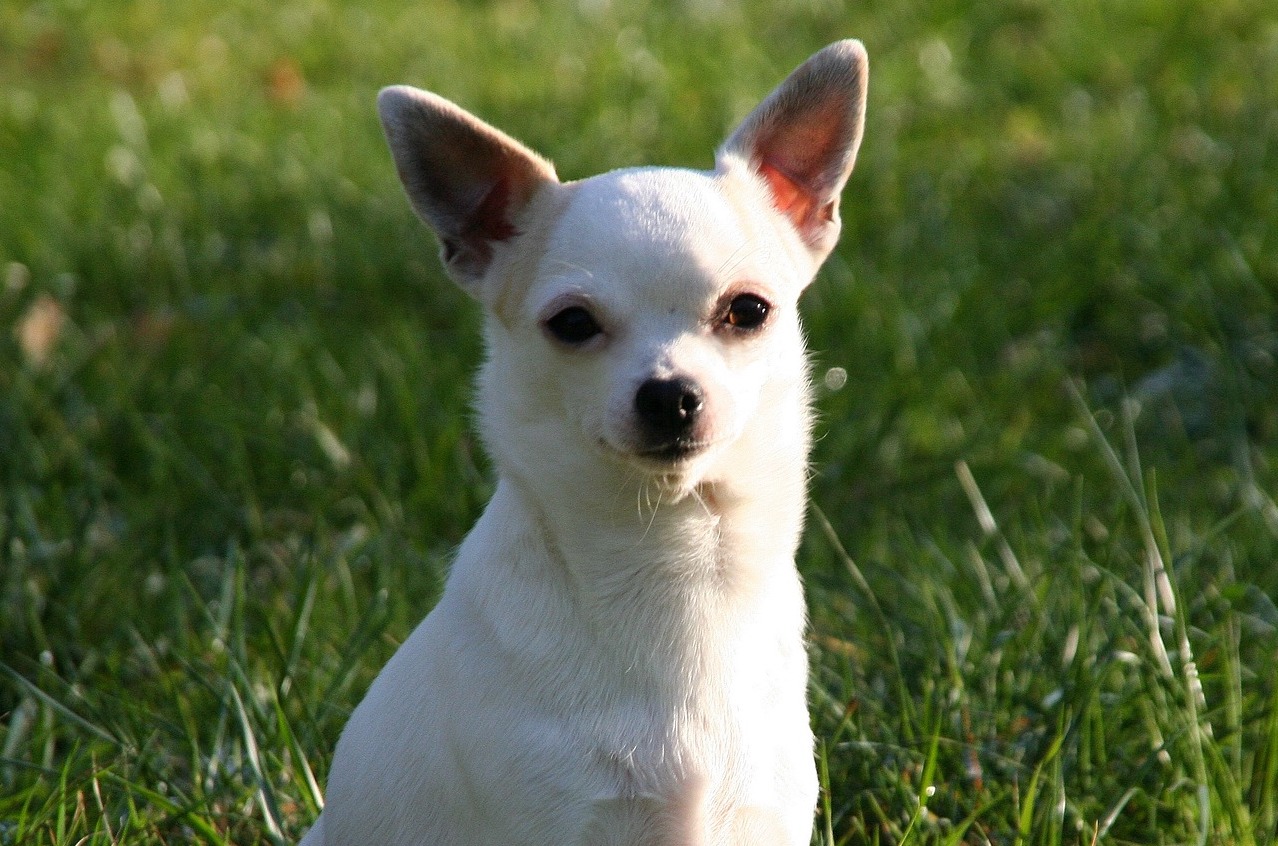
(644, 317)
(657, 312)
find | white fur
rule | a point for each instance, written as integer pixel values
(618, 656)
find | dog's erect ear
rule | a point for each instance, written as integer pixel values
(802, 140)
(467, 180)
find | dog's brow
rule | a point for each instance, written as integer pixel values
(567, 265)
(736, 259)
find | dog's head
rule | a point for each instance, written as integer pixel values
(645, 317)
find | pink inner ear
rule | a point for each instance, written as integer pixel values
(489, 220)
(787, 196)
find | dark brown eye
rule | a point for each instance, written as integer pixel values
(746, 312)
(573, 326)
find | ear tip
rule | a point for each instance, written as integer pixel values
(394, 102)
(851, 49)
(394, 96)
(391, 102)
(852, 46)
(849, 53)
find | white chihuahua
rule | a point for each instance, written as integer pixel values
(618, 657)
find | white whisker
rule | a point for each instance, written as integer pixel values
(653, 518)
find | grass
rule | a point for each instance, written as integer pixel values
(234, 447)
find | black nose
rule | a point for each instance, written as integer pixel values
(668, 408)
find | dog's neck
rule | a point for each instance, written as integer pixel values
(661, 586)
(723, 535)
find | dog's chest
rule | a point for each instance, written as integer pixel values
(688, 791)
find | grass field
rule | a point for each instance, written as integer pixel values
(1042, 558)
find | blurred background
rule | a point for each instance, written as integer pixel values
(235, 450)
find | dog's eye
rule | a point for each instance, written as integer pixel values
(574, 326)
(746, 311)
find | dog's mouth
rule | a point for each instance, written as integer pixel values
(673, 452)
(669, 456)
